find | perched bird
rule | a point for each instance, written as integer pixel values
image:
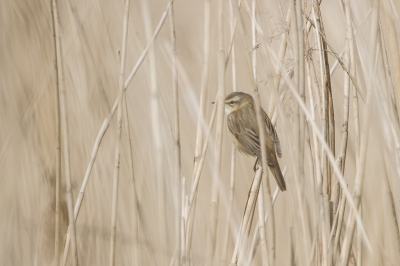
(244, 132)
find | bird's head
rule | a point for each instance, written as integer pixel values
(236, 100)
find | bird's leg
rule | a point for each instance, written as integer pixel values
(255, 167)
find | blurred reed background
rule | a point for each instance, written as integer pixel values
(107, 105)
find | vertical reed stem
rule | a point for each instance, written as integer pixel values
(54, 25)
(177, 141)
(212, 231)
(119, 126)
(364, 138)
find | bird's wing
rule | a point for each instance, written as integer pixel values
(246, 136)
(272, 132)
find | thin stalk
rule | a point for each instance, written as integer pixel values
(256, 236)
(394, 47)
(296, 81)
(189, 211)
(301, 83)
(359, 243)
(364, 139)
(212, 231)
(326, 148)
(204, 82)
(156, 126)
(251, 202)
(177, 140)
(325, 182)
(135, 202)
(176, 133)
(389, 85)
(281, 56)
(261, 126)
(346, 93)
(54, 25)
(343, 147)
(119, 126)
(67, 167)
(103, 130)
(201, 115)
(225, 245)
(264, 248)
(388, 77)
(229, 212)
(261, 222)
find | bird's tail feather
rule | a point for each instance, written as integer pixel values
(276, 171)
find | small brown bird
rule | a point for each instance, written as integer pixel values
(244, 131)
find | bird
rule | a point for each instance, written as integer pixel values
(245, 133)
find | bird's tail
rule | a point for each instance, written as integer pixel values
(276, 171)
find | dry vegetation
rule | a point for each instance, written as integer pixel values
(106, 116)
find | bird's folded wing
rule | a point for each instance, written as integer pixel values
(272, 132)
(247, 136)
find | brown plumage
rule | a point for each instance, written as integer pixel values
(244, 132)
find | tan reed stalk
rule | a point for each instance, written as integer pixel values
(177, 142)
(204, 82)
(264, 249)
(271, 223)
(113, 237)
(364, 138)
(357, 136)
(256, 235)
(55, 31)
(156, 126)
(346, 93)
(263, 241)
(359, 243)
(225, 245)
(388, 77)
(296, 81)
(300, 29)
(104, 128)
(63, 116)
(201, 115)
(343, 147)
(189, 211)
(135, 202)
(389, 85)
(325, 147)
(298, 51)
(281, 56)
(196, 176)
(325, 84)
(251, 202)
(183, 221)
(336, 55)
(314, 149)
(67, 167)
(394, 46)
(212, 231)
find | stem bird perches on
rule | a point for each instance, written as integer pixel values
(119, 127)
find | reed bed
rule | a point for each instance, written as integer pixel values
(163, 170)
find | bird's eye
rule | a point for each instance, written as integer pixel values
(231, 103)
